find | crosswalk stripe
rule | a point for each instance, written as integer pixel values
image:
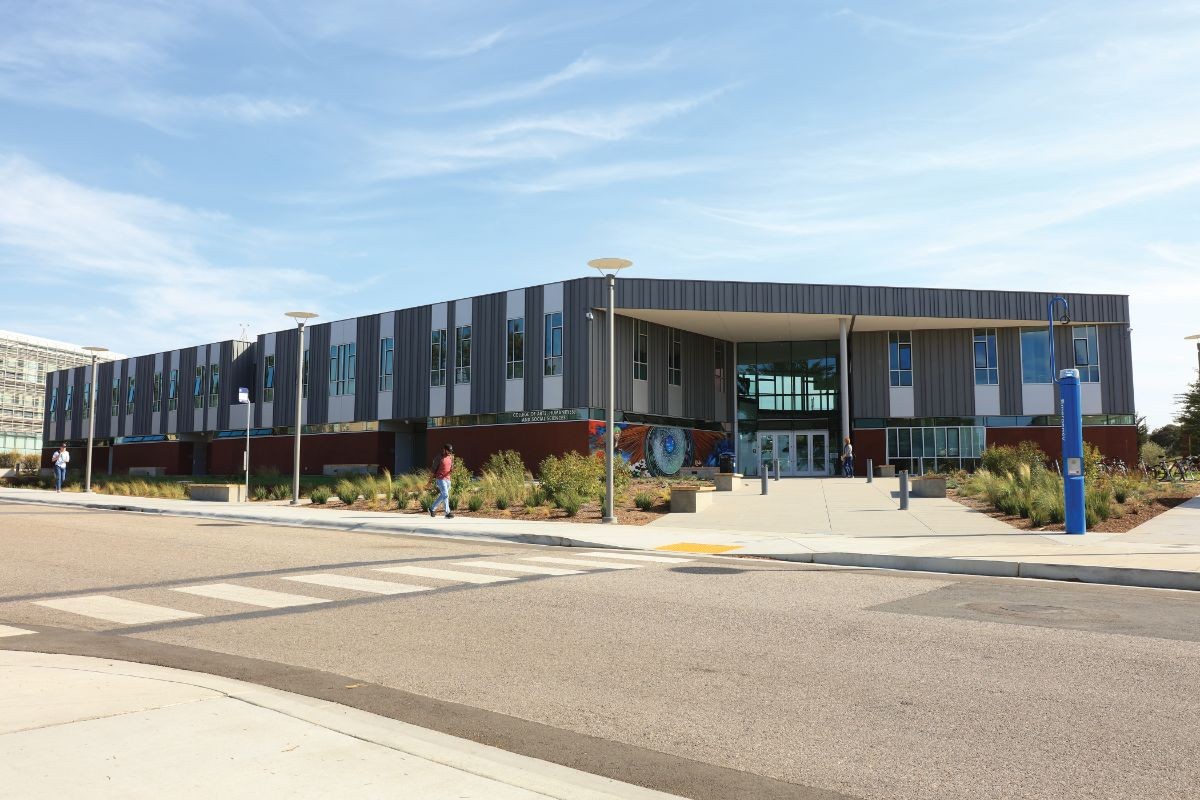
(8, 630)
(115, 609)
(532, 570)
(636, 557)
(579, 562)
(358, 584)
(445, 574)
(249, 596)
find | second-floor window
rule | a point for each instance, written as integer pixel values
(984, 350)
(54, 404)
(87, 400)
(115, 404)
(198, 388)
(515, 349)
(156, 393)
(214, 384)
(1086, 341)
(342, 364)
(552, 349)
(130, 394)
(304, 376)
(387, 362)
(269, 379)
(719, 365)
(69, 403)
(437, 358)
(641, 349)
(173, 391)
(1035, 356)
(900, 358)
(462, 354)
(675, 359)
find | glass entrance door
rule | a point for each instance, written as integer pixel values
(800, 453)
(812, 452)
(776, 446)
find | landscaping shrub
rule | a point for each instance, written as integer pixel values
(571, 472)
(455, 501)
(281, 491)
(475, 502)
(1096, 504)
(320, 495)
(427, 499)
(346, 491)
(535, 496)
(507, 464)
(9, 458)
(1004, 459)
(460, 477)
(260, 492)
(644, 501)
(569, 502)
(1151, 453)
(502, 501)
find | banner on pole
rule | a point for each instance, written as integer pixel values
(243, 394)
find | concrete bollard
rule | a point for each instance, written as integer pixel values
(903, 490)
(776, 468)
(765, 469)
(870, 471)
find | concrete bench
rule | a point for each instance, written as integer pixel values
(690, 499)
(218, 492)
(727, 481)
(927, 487)
(338, 470)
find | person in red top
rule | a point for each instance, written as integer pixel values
(441, 477)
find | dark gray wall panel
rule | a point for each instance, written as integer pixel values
(187, 373)
(287, 347)
(121, 395)
(488, 333)
(657, 369)
(366, 369)
(260, 376)
(410, 389)
(1008, 361)
(47, 426)
(869, 374)
(699, 389)
(317, 409)
(624, 366)
(143, 416)
(943, 373)
(1116, 370)
(243, 373)
(452, 343)
(226, 390)
(165, 417)
(577, 338)
(534, 336)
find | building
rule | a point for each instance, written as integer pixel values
(25, 361)
(920, 378)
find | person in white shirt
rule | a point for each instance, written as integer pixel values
(60, 459)
(847, 458)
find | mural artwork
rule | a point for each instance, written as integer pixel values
(662, 450)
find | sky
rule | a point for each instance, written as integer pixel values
(170, 172)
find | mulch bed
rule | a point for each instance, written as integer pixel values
(1127, 521)
(627, 513)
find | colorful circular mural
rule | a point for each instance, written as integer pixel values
(668, 450)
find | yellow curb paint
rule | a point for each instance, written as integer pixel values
(694, 547)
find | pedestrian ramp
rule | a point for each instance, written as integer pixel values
(229, 599)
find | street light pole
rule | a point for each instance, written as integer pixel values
(300, 317)
(1071, 416)
(91, 406)
(611, 266)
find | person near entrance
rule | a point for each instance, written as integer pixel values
(847, 458)
(441, 477)
(60, 459)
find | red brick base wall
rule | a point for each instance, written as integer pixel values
(533, 440)
(316, 450)
(869, 443)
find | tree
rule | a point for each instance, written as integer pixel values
(1189, 417)
(1167, 437)
(1143, 432)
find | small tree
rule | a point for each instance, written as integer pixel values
(1167, 437)
(1189, 417)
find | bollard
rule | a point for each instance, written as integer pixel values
(870, 471)
(776, 465)
(765, 469)
(903, 490)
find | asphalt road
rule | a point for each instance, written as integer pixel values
(710, 678)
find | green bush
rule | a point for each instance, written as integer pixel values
(281, 491)
(475, 502)
(320, 495)
(427, 499)
(502, 501)
(1005, 459)
(535, 496)
(260, 492)
(644, 501)
(569, 502)
(1096, 504)
(581, 474)
(506, 463)
(10, 458)
(455, 501)
(460, 477)
(346, 491)
(1093, 459)
(1152, 453)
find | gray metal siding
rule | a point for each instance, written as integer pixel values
(121, 390)
(699, 388)
(410, 388)
(243, 373)
(143, 417)
(869, 374)
(656, 369)
(260, 375)
(488, 333)
(287, 346)
(164, 418)
(1116, 370)
(1008, 361)
(577, 337)
(452, 344)
(624, 365)
(534, 336)
(943, 373)
(366, 371)
(187, 372)
(317, 410)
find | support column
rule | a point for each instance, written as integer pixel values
(844, 375)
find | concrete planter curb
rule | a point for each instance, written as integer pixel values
(691, 499)
(928, 487)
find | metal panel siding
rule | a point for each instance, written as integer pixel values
(943, 373)
(123, 374)
(699, 391)
(317, 408)
(657, 369)
(366, 372)
(1116, 370)
(260, 372)
(243, 373)
(283, 412)
(869, 374)
(534, 336)
(488, 333)
(143, 417)
(452, 345)
(47, 393)
(165, 415)
(410, 387)
(187, 373)
(227, 391)
(624, 366)
(577, 333)
(1008, 357)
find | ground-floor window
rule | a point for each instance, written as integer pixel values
(935, 449)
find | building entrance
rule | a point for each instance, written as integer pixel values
(800, 453)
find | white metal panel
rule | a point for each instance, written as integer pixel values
(675, 400)
(987, 400)
(1090, 396)
(552, 391)
(641, 396)
(514, 395)
(1037, 398)
(900, 400)
(462, 398)
(437, 401)
(514, 304)
(462, 312)
(552, 298)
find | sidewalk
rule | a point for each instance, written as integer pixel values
(73, 726)
(865, 529)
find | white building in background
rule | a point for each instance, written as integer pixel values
(24, 364)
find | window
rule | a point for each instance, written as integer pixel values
(304, 376)
(462, 354)
(198, 388)
(387, 361)
(675, 359)
(156, 393)
(269, 379)
(437, 358)
(931, 449)
(342, 364)
(553, 345)
(214, 384)
(984, 345)
(130, 394)
(1086, 340)
(173, 391)
(115, 403)
(900, 357)
(641, 349)
(54, 404)
(70, 400)
(1035, 356)
(515, 350)
(87, 400)
(719, 365)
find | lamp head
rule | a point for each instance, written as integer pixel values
(1065, 319)
(96, 349)
(610, 265)
(299, 315)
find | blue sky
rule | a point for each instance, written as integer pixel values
(168, 171)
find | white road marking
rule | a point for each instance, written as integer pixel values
(579, 562)
(635, 557)
(6, 630)
(502, 565)
(445, 574)
(358, 584)
(249, 596)
(114, 609)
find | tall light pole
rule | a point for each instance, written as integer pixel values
(609, 267)
(91, 406)
(301, 317)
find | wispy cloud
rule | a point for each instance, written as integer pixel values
(485, 42)
(567, 180)
(907, 30)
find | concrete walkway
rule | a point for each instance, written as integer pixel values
(858, 530)
(73, 726)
